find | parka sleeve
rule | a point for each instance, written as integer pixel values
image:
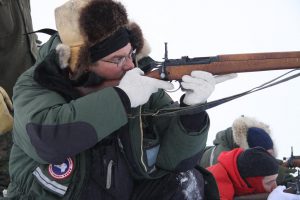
(180, 149)
(49, 129)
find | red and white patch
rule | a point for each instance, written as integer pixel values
(63, 170)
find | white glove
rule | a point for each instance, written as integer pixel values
(279, 194)
(139, 88)
(200, 85)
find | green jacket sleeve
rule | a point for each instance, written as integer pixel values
(223, 142)
(49, 129)
(179, 149)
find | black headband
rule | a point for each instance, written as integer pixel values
(111, 44)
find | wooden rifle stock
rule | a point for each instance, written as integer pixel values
(222, 64)
(236, 63)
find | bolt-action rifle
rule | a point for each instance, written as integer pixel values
(174, 69)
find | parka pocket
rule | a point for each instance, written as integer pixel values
(110, 170)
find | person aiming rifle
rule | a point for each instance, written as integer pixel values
(72, 144)
(245, 132)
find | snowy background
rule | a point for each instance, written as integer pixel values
(198, 28)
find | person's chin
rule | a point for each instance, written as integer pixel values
(119, 76)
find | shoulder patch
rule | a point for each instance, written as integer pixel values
(63, 170)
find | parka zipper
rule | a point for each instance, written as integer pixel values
(109, 174)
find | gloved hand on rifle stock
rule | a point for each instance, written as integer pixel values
(139, 87)
(285, 175)
(200, 85)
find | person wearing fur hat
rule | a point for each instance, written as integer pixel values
(245, 132)
(78, 135)
(243, 172)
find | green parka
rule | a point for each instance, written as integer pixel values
(48, 130)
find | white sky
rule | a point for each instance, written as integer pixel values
(198, 28)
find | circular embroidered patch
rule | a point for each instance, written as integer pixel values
(63, 170)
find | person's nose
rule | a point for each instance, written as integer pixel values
(273, 186)
(128, 65)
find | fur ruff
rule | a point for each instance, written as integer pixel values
(240, 127)
(136, 36)
(138, 41)
(145, 51)
(63, 51)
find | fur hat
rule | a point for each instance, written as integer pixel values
(255, 162)
(84, 24)
(240, 129)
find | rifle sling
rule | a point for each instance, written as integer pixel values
(189, 110)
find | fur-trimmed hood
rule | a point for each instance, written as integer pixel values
(240, 127)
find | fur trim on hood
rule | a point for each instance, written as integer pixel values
(240, 127)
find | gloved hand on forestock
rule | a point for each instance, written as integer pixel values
(279, 194)
(285, 175)
(6, 120)
(139, 87)
(200, 85)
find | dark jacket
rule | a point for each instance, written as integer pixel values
(97, 140)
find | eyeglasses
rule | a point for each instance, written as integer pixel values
(121, 60)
